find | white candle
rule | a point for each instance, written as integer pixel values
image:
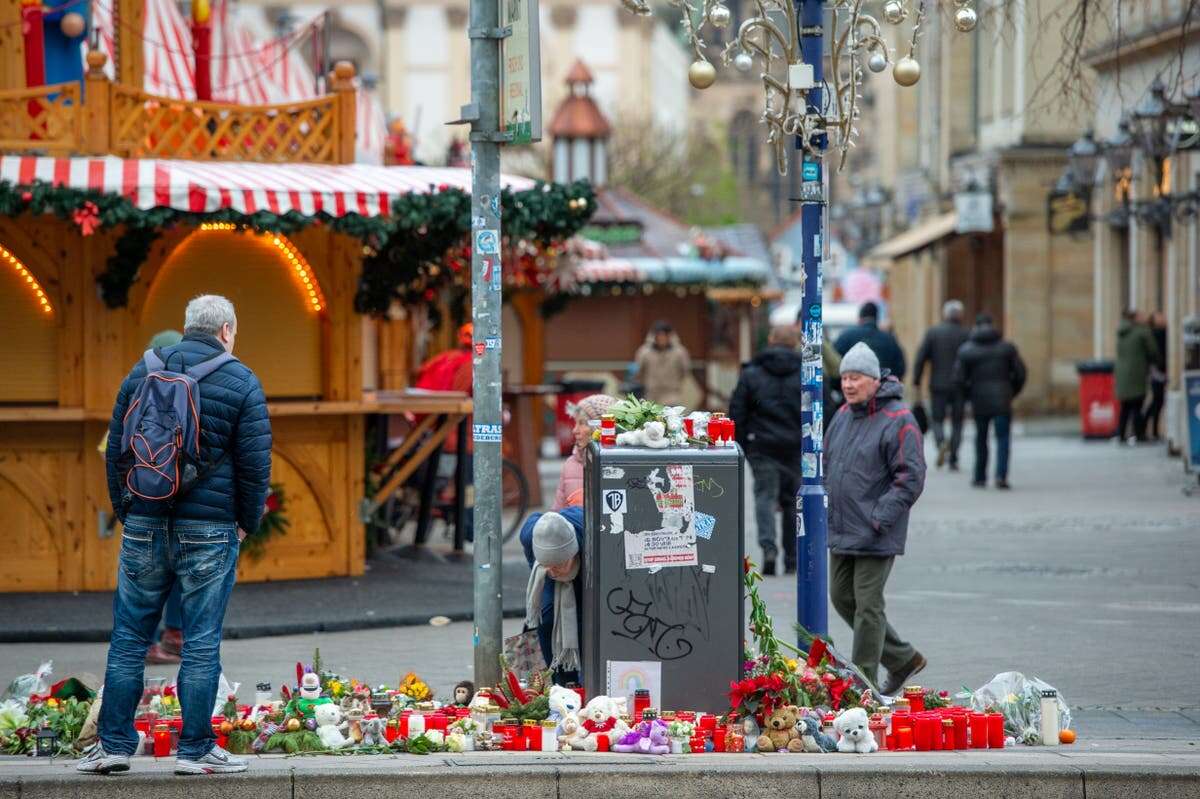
(1049, 727)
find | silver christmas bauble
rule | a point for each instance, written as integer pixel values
(877, 62)
(720, 16)
(907, 71)
(743, 62)
(702, 74)
(893, 12)
(965, 19)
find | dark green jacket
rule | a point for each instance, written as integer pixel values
(1136, 352)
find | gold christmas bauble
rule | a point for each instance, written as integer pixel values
(293, 725)
(965, 19)
(226, 727)
(248, 724)
(907, 71)
(720, 16)
(893, 12)
(702, 74)
(72, 25)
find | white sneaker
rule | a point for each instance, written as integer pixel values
(218, 761)
(96, 761)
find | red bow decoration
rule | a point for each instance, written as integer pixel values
(603, 726)
(87, 218)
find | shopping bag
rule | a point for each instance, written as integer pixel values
(524, 653)
(918, 412)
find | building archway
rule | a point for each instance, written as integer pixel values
(28, 372)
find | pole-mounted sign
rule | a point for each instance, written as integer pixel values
(521, 72)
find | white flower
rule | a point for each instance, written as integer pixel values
(435, 737)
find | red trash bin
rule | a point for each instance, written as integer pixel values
(1097, 399)
(573, 391)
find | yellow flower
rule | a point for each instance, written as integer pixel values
(336, 688)
(52, 702)
(791, 664)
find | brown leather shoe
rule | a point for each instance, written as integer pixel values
(895, 683)
(157, 655)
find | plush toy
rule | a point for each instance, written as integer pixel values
(856, 735)
(780, 732)
(652, 435)
(373, 732)
(811, 736)
(620, 706)
(647, 738)
(564, 704)
(463, 692)
(750, 733)
(568, 729)
(597, 719)
(328, 716)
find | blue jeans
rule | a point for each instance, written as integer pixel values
(1003, 441)
(156, 554)
(172, 617)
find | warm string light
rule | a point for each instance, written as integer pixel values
(300, 268)
(29, 279)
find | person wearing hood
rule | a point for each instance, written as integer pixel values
(663, 365)
(765, 409)
(1137, 351)
(553, 544)
(990, 373)
(874, 472)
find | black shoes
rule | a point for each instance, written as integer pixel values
(768, 569)
(1003, 485)
(895, 682)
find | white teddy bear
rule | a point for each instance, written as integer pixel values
(652, 435)
(328, 717)
(856, 736)
(597, 718)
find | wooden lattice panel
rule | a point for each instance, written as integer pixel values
(146, 126)
(43, 118)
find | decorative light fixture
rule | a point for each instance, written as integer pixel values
(1157, 122)
(303, 272)
(1083, 157)
(1118, 151)
(28, 279)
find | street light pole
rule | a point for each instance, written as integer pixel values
(485, 315)
(812, 610)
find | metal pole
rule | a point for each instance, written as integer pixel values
(485, 313)
(812, 579)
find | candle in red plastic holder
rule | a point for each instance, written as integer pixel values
(533, 736)
(995, 728)
(923, 731)
(735, 742)
(602, 742)
(960, 729)
(162, 740)
(579, 690)
(392, 731)
(878, 727)
(641, 701)
(608, 430)
(904, 738)
(706, 721)
(689, 427)
(979, 731)
(936, 720)
(915, 695)
(697, 744)
(900, 718)
(948, 733)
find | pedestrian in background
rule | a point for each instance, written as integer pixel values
(766, 410)
(192, 539)
(882, 343)
(990, 373)
(1158, 375)
(939, 349)
(663, 365)
(553, 545)
(874, 473)
(1136, 353)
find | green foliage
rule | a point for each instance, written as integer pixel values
(274, 523)
(66, 719)
(632, 413)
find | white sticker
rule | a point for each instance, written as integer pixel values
(616, 523)
(488, 433)
(614, 500)
(612, 472)
(659, 548)
(808, 465)
(708, 568)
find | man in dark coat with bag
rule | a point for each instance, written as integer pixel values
(874, 473)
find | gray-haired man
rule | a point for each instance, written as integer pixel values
(939, 348)
(192, 539)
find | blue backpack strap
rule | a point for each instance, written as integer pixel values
(154, 363)
(209, 365)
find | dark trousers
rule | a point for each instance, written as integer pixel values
(1003, 423)
(951, 402)
(776, 483)
(856, 591)
(1158, 396)
(1131, 411)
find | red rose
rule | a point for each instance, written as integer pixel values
(272, 502)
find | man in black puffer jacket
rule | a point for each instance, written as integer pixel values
(192, 540)
(765, 409)
(990, 373)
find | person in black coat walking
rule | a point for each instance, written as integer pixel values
(939, 349)
(882, 343)
(990, 373)
(765, 409)
(1158, 376)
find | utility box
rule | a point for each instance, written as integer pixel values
(663, 592)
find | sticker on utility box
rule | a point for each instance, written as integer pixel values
(488, 433)
(487, 242)
(658, 548)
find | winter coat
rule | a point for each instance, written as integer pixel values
(1136, 353)
(570, 481)
(874, 472)
(663, 371)
(233, 417)
(765, 406)
(882, 343)
(990, 372)
(939, 349)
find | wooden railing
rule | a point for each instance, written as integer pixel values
(126, 121)
(44, 118)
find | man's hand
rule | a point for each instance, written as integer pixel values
(241, 534)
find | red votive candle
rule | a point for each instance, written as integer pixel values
(904, 738)
(392, 731)
(162, 741)
(979, 731)
(602, 742)
(923, 730)
(995, 728)
(689, 427)
(936, 720)
(697, 744)
(947, 733)
(915, 695)
(718, 739)
(960, 730)
(641, 701)
(533, 736)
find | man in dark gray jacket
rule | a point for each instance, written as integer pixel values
(938, 349)
(874, 472)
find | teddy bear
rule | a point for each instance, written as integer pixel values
(856, 736)
(780, 731)
(373, 732)
(647, 738)
(652, 435)
(597, 719)
(328, 717)
(811, 736)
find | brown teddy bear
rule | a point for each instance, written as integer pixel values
(780, 731)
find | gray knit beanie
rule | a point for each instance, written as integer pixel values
(554, 540)
(861, 359)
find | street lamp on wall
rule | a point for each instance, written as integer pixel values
(1083, 158)
(1118, 151)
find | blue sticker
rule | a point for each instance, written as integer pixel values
(814, 310)
(703, 525)
(488, 433)
(487, 242)
(492, 342)
(495, 203)
(810, 171)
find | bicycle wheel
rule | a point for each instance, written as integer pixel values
(514, 498)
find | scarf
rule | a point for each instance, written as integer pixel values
(564, 640)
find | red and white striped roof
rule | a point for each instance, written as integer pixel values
(607, 270)
(208, 186)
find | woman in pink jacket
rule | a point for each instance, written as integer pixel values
(570, 484)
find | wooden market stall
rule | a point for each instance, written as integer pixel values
(106, 231)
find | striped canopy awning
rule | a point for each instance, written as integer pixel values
(208, 186)
(675, 270)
